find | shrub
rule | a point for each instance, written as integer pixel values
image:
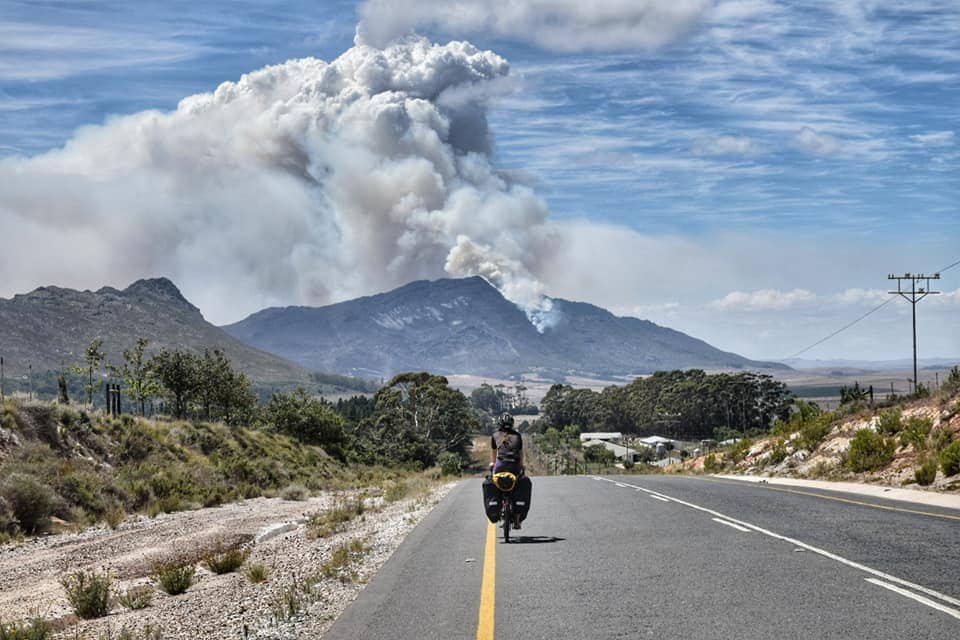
(450, 463)
(136, 597)
(941, 439)
(228, 560)
(31, 501)
(950, 459)
(256, 572)
(779, 452)
(88, 593)
(326, 523)
(890, 422)
(114, 516)
(35, 629)
(915, 431)
(813, 432)
(926, 473)
(397, 491)
(711, 464)
(869, 451)
(174, 576)
(295, 492)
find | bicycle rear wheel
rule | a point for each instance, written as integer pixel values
(507, 523)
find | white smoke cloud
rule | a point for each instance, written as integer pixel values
(556, 25)
(304, 182)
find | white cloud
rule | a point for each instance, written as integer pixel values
(764, 300)
(556, 25)
(934, 139)
(727, 145)
(820, 144)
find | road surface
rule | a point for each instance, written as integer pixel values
(670, 557)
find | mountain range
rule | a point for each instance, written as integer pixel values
(50, 328)
(466, 326)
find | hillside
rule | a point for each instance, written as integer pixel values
(51, 326)
(896, 444)
(466, 326)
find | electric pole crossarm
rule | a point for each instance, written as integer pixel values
(913, 296)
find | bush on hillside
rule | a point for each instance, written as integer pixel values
(869, 451)
(450, 463)
(915, 432)
(926, 473)
(950, 459)
(88, 593)
(31, 501)
(890, 422)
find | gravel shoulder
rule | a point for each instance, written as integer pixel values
(217, 606)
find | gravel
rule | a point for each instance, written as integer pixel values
(216, 606)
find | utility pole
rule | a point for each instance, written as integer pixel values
(913, 296)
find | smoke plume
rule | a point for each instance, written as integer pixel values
(305, 182)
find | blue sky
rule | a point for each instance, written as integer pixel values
(756, 168)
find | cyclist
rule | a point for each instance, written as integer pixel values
(506, 454)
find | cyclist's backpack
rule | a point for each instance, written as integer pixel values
(522, 495)
(491, 500)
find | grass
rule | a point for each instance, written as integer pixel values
(335, 519)
(396, 491)
(36, 628)
(88, 593)
(174, 576)
(341, 557)
(136, 598)
(257, 573)
(225, 558)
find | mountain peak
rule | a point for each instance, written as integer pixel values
(158, 288)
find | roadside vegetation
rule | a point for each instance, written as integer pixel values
(899, 440)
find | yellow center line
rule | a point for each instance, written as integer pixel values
(837, 499)
(488, 589)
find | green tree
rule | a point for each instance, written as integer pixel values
(223, 393)
(307, 419)
(178, 373)
(93, 357)
(417, 417)
(138, 378)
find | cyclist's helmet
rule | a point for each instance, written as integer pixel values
(506, 420)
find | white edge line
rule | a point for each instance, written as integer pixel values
(826, 554)
(659, 498)
(620, 484)
(907, 594)
(730, 524)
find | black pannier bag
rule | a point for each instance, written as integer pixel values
(491, 500)
(522, 495)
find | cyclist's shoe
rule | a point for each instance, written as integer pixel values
(516, 522)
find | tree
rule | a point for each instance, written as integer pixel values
(223, 392)
(93, 356)
(137, 376)
(307, 419)
(178, 373)
(417, 417)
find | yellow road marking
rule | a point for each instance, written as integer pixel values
(488, 589)
(837, 499)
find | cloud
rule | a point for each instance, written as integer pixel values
(765, 300)
(726, 146)
(555, 25)
(305, 182)
(934, 139)
(820, 144)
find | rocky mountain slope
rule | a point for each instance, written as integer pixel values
(51, 327)
(466, 326)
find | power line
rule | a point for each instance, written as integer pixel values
(845, 327)
(868, 313)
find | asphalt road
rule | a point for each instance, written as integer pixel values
(670, 557)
